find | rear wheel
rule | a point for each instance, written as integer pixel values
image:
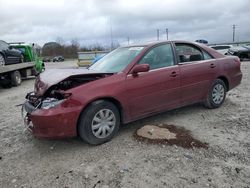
(16, 78)
(21, 59)
(216, 94)
(99, 122)
(2, 60)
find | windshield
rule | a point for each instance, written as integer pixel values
(117, 60)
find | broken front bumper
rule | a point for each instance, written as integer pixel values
(57, 122)
(27, 108)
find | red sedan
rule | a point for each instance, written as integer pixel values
(129, 83)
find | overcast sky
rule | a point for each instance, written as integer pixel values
(90, 21)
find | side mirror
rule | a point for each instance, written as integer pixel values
(10, 47)
(140, 68)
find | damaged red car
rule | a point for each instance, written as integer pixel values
(128, 84)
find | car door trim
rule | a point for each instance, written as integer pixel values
(162, 68)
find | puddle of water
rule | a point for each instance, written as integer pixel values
(168, 135)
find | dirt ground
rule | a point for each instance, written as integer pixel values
(26, 161)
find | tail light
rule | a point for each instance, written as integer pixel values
(237, 61)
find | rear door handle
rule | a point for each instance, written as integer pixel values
(173, 74)
(212, 66)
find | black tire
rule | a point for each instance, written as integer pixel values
(2, 60)
(16, 78)
(241, 58)
(213, 101)
(21, 59)
(43, 65)
(87, 118)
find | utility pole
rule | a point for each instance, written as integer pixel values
(111, 36)
(158, 34)
(234, 26)
(167, 33)
(128, 40)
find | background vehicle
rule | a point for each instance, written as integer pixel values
(243, 52)
(58, 59)
(223, 49)
(8, 55)
(46, 59)
(97, 58)
(12, 74)
(29, 55)
(25, 49)
(202, 41)
(128, 84)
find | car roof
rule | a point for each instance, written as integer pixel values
(152, 43)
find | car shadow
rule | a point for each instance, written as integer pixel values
(125, 129)
(74, 143)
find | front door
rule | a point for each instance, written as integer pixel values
(158, 89)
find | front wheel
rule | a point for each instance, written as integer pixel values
(216, 94)
(99, 122)
(21, 59)
(2, 60)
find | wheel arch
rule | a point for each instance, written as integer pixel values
(116, 102)
(225, 80)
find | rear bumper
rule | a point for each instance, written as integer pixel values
(58, 122)
(235, 80)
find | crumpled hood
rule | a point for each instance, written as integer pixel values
(53, 76)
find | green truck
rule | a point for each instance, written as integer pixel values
(32, 65)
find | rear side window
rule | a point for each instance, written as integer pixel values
(190, 53)
(159, 57)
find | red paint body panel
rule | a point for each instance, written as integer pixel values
(196, 79)
(57, 122)
(153, 91)
(139, 96)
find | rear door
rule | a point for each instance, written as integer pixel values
(158, 89)
(198, 70)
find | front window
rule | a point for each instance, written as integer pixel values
(159, 57)
(117, 60)
(20, 49)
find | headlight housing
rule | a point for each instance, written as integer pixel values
(51, 103)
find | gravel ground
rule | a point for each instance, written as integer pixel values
(26, 161)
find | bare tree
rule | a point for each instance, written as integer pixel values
(69, 50)
(60, 41)
(75, 43)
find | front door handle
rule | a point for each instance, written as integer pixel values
(173, 74)
(212, 66)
